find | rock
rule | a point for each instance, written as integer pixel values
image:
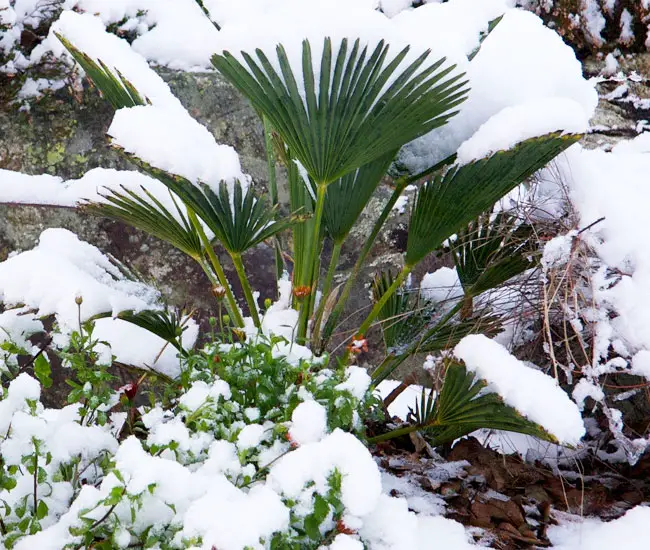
(65, 135)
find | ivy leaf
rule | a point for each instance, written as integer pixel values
(43, 371)
(41, 510)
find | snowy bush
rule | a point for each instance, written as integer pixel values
(256, 440)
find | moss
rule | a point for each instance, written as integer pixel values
(55, 155)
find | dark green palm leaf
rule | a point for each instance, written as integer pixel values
(397, 314)
(461, 407)
(352, 117)
(166, 324)
(448, 203)
(151, 216)
(117, 90)
(163, 323)
(239, 221)
(347, 197)
(490, 252)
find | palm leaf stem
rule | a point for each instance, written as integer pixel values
(395, 433)
(246, 287)
(345, 294)
(233, 308)
(400, 185)
(327, 286)
(273, 189)
(313, 257)
(399, 280)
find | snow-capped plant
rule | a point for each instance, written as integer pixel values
(336, 116)
(255, 440)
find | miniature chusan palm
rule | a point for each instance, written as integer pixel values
(336, 123)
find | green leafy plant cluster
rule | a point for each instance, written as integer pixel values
(337, 129)
(252, 386)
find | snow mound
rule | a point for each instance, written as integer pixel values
(533, 393)
(175, 142)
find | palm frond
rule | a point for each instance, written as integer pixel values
(448, 203)
(347, 197)
(396, 314)
(163, 323)
(151, 216)
(239, 221)
(461, 407)
(491, 26)
(353, 116)
(490, 252)
(113, 86)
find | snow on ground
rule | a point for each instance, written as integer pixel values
(629, 532)
(62, 270)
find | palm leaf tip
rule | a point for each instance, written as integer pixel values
(119, 91)
(361, 104)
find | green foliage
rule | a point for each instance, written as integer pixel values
(461, 407)
(347, 197)
(352, 118)
(149, 214)
(490, 252)
(117, 90)
(448, 203)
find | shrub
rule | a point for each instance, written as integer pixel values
(246, 424)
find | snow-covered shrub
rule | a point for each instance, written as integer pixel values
(248, 449)
(252, 441)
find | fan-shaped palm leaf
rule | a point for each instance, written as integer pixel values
(363, 108)
(166, 324)
(150, 216)
(239, 221)
(347, 197)
(116, 89)
(446, 204)
(490, 252)
(461, 407)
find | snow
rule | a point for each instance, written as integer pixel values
(592, 534)
(534, 394)
(441, 286)
(16, 325)
(22, 388)
(281, 319)
(361, 483)
(61, 268)
(357, 382)
(558, 250)
(308, 423)
(405, 400)
(16, 187)
(173, 141)
(619, 239)
(528, 120)
(133, 345)
(88, 34)
(540, 68)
